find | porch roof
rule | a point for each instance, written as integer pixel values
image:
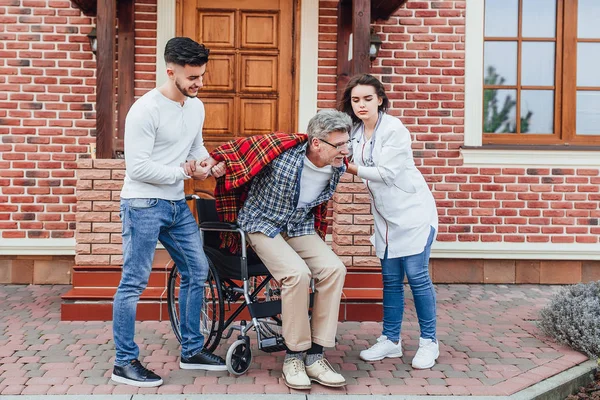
(380, 9)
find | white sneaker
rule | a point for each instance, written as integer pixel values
(428, 352)
(382, 349)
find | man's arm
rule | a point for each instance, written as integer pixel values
(140, 134)
(198, 151)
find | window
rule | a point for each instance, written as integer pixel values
(541, 84)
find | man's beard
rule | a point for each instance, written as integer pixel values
(183, 91)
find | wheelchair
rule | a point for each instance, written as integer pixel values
(234, 283)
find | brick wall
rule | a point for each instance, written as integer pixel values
(421, 64)
(98, 224)
(47, 122)
(145, 46)
(47, 116)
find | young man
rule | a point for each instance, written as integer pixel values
(163, 147)
(278, 215)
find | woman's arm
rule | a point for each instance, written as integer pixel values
(352, 168)
(395, 155)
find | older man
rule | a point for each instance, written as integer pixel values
(278, 216)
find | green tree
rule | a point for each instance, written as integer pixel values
(498, 120)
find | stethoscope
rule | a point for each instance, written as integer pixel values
(369, 161)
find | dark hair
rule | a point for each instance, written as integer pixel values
(362, 79)
(184, 51)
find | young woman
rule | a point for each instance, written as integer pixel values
(405, 217)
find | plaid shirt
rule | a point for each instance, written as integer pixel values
(244, 159)
(271, 204)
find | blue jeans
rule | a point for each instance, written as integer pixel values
(145, 221)
(417, 272)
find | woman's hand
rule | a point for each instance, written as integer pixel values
(352, 169)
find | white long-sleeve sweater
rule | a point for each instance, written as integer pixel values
(160, 134)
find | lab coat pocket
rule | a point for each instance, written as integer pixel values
(404, 183)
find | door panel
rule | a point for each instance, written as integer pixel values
(258, 116)
(249, 81)
(220, 122)
(260, 74)
(221, 77)
(217, 29)
(259, 31)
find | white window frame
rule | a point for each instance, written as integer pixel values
(481, 156)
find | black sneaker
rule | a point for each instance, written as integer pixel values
(203, 360)
(135, 374)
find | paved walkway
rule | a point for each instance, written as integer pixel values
(489, 346)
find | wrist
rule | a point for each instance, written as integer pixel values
(183, 174)
(352, 169)
(211, 162)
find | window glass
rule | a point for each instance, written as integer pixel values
(537, 63)
(538, 18)
(537, 111)
(499, 111)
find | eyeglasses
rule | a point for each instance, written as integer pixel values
(338, 147)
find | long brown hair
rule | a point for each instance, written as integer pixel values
(362, 79)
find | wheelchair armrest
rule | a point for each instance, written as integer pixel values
(218, 226)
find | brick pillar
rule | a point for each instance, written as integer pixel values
(98, 224)
(353, 224)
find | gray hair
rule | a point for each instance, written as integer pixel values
(327, 121)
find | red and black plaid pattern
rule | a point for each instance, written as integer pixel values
(244, 159)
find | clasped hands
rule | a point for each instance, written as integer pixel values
(205, 168)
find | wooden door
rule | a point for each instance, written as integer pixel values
(249, 82)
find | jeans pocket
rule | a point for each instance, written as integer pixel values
(122, 217)
(142, 203)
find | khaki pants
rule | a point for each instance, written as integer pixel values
(293, 262)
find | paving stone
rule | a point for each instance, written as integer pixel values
(475, 374)
(24, 353)
(59, 357)
(478, 368)
(366, 367)
(35, 372)
(436, 381)
(485, 331)
(491, 382)
(551, 356)
(391, 381)
(482, 354)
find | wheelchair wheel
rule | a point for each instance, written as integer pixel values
(239, 357)
(213, 309)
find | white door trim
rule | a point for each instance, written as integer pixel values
(166, 11)
(309, 62)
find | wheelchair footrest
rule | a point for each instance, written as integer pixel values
(272, 344)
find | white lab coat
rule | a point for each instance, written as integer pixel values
(404, 209)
